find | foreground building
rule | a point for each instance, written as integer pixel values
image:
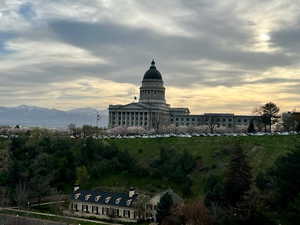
(118, 206)
(153, 112)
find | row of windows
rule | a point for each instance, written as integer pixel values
(128, 118)
(104, 211)
(132, 123)
(128, 113)
(208, 119)
(151, 92)
(195, 124)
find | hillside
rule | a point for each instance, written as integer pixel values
(211, 154)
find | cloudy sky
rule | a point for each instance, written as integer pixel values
(214, 55)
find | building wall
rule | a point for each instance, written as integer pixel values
(84, 209)
(216, 122)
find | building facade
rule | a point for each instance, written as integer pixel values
(153, 112)
(118, 206)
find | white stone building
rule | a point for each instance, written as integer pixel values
(118, 206)
(152, 111)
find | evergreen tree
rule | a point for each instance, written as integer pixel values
(269, 113)
(287, 177)
(298, 127)
(237, 177)
(164, 207)
(82, 176)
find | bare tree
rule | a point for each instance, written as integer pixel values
(141, 206)
(195, 213)
(212, 122)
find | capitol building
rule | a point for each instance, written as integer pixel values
(152, 111)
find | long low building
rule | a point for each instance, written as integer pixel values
(119, 206)
(152, 111)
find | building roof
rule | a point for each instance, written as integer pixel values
(104, 198)
(152, 73)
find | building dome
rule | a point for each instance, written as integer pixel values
(152, 73)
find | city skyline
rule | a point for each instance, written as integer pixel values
(214, 56)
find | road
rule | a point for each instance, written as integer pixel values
(58, 216)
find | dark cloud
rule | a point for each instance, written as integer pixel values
(287, 38)
(129, 48)
(211, 49)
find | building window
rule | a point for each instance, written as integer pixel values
(95, 210)
(116, 212)
(85, 208)
(75, 207)
(126, 213)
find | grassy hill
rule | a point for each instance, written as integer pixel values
(212, 154)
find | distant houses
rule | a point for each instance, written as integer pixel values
(128, 206)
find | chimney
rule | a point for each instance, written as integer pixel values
(131, 192)
(76, 187)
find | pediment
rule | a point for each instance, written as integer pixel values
(133, 106)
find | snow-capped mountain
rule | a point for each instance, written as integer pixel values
(25, 115)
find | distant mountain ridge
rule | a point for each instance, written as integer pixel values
(31, 116)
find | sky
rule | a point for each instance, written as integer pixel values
(214, 55)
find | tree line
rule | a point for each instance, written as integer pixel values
(240, 198)
(41, 166)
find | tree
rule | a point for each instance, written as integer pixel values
(82, 176)
(286, 177)
(251, 128)
(88, 130)
(298, 127)
(237, 177)
(211, 121)
(293, 212)
(195, 213)
(164, 207)
(21, 195)
(141, 206)
(269, 113)
(72, 128)
(289, 122)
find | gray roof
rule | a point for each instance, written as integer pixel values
(152, 73)
(104, 198)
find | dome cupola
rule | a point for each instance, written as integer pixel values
(152, 73)
(152, 90)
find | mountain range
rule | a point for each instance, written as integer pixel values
(33, 116)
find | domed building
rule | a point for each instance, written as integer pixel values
(152, 112)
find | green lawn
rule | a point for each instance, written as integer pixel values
(213, 152)
(262, 150)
